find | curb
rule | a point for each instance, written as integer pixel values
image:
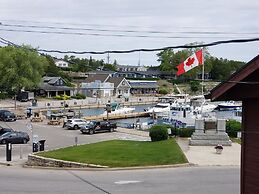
(5, 164)
(113, 169)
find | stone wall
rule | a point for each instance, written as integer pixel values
(34, 160)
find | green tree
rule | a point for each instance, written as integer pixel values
(223, 68)
(20, 68)
(195, 86)
(53, 70)
(169, 60)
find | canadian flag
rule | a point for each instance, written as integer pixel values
(193, 61)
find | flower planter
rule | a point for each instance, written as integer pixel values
(219, 149)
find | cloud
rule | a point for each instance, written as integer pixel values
(171, 16)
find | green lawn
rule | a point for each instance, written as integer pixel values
(120, 153)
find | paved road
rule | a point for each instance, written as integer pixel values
(187, 180)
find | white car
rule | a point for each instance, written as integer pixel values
(74, 123)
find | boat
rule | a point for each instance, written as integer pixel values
(205, 108)
(180, 98)
(115, 108)
(229, 105)
(160, 109)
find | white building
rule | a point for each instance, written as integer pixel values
(61, 63)
(97, 89)
(130, 68)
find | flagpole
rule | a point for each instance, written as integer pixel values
(202, 76)
(202, 81)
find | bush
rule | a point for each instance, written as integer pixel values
(79, 96)
(3, 95)
(62, 97)
(158, 132)
(163, 91)
(195, 86)
(232, 127)
(182, 132)
(57, 97)
(186, 132)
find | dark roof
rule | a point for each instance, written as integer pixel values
(47, 79)
(47, 84)
(100, 72)
(95, 77)
(47, 87)
(115, 80)
(240, 84)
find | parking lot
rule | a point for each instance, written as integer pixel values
(56, 137)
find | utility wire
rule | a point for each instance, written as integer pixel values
(99, 25)
(128, 31)
(109, 35)
(143, 49)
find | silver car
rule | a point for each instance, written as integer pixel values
(74, 123)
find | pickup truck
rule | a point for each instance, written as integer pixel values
(95, 126)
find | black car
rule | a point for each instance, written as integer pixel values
(14, 137)
(5, 130)
(6, 115)
(94, 126)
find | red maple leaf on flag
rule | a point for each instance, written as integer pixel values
(190, 61)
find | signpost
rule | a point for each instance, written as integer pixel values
(108, 110)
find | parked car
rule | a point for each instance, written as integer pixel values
(95, 126)
(5, 130)
(6, 115)
(14, 137)
(74, 123)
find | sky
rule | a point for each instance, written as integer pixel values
(102, 25)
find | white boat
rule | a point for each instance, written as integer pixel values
(205, 108)
(159, 109)
(117, 109)
(229, 105)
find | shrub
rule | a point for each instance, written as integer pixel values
(195, 86)
(62, 97)
(186, 132)
(57, 97)
(66, 97)
(182, 132)
(163, 91)
(158, 132)
(3, 95)
(232, 127)
(79, 96)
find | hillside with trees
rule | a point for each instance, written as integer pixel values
(218, 68)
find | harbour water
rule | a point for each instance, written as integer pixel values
(231, 114)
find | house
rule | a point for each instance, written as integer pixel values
(100, 85)
(243, 86)
(134, 74)
(132, 68)
(143, 87)
(61, 63)
(121, 86)
(53, 86)
(97, 89)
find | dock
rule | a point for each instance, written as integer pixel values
(117, 116)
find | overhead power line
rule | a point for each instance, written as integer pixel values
(7, 42)
(128, 31)
(109, 35)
